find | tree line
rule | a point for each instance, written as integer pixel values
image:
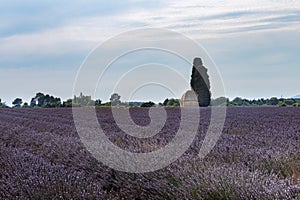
(273, 101)
(41, 100)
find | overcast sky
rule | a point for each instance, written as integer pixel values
(255, 44)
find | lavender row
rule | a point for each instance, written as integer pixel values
(257, 157)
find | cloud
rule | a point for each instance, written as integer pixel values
(56, 28)
(206, 19)
(19, 17)
(36, 16)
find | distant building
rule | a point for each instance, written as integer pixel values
(189, 99)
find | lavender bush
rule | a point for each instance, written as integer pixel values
(257, 157)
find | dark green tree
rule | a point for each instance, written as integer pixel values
(173, 103)
(98, 102)
(165, 103)
(200, 83)
(148, 104)
(115, 99)
(17, 102)
(3, 104)
(67, 103)
(273, 101)
(47, 101)
(238, 101)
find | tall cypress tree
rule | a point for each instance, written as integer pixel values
(200, 83)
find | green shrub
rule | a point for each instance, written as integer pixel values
(282, 104)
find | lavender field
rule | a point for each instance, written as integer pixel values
(256, 157)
